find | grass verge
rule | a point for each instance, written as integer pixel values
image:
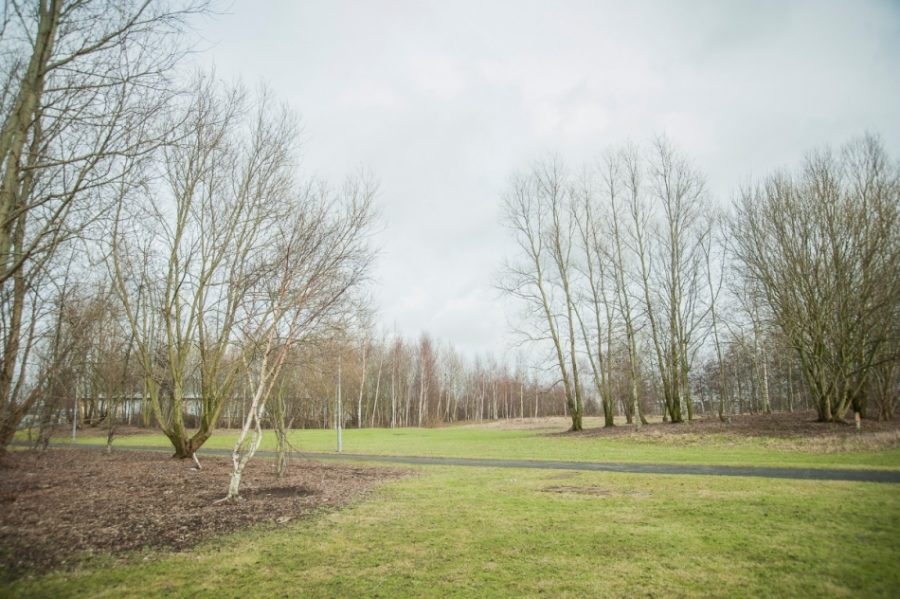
(483, 442)
(461, 532)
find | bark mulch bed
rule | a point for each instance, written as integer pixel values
(781, 424)
(797, 430)
(61, 505)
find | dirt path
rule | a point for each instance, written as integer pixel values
(837, 474)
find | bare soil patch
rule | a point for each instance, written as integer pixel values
(578, 490)
(593, 491)
(563, 476)
(795, 431)
(98, 432)
(61, 505)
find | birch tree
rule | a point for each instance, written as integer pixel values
(320, 257)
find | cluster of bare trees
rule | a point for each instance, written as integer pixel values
(613, 257)
(161, 261)
(629, 263)
(392, 382)
(820, 249)
(222, 261)
(156, 242)
(743, 378)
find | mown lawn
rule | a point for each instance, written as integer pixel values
(487, 442)
(466, 532)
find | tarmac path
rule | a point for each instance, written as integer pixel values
(833, 474)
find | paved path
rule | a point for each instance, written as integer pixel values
(875, 476)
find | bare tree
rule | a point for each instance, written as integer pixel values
(83, 83)
(822, 247)
(71, 316)
(595, 268)
(364, 350)
(320, 257)
(671, 268)
(382, 350)
(201, 225)
(621, 176)
(534, 211)
(714, 284)
(426, 378)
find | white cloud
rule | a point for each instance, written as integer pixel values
(443, 100)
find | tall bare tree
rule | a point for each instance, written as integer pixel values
(672, 281)
(535, 211)
(83, 84)
(714, 282)
(588, 216)
(621, 176)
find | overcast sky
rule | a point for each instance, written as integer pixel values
(442, 101)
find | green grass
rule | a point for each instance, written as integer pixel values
(453, 532)
(486, 442)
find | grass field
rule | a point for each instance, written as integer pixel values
(540, 443)
(466, 532)
(470, 532)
